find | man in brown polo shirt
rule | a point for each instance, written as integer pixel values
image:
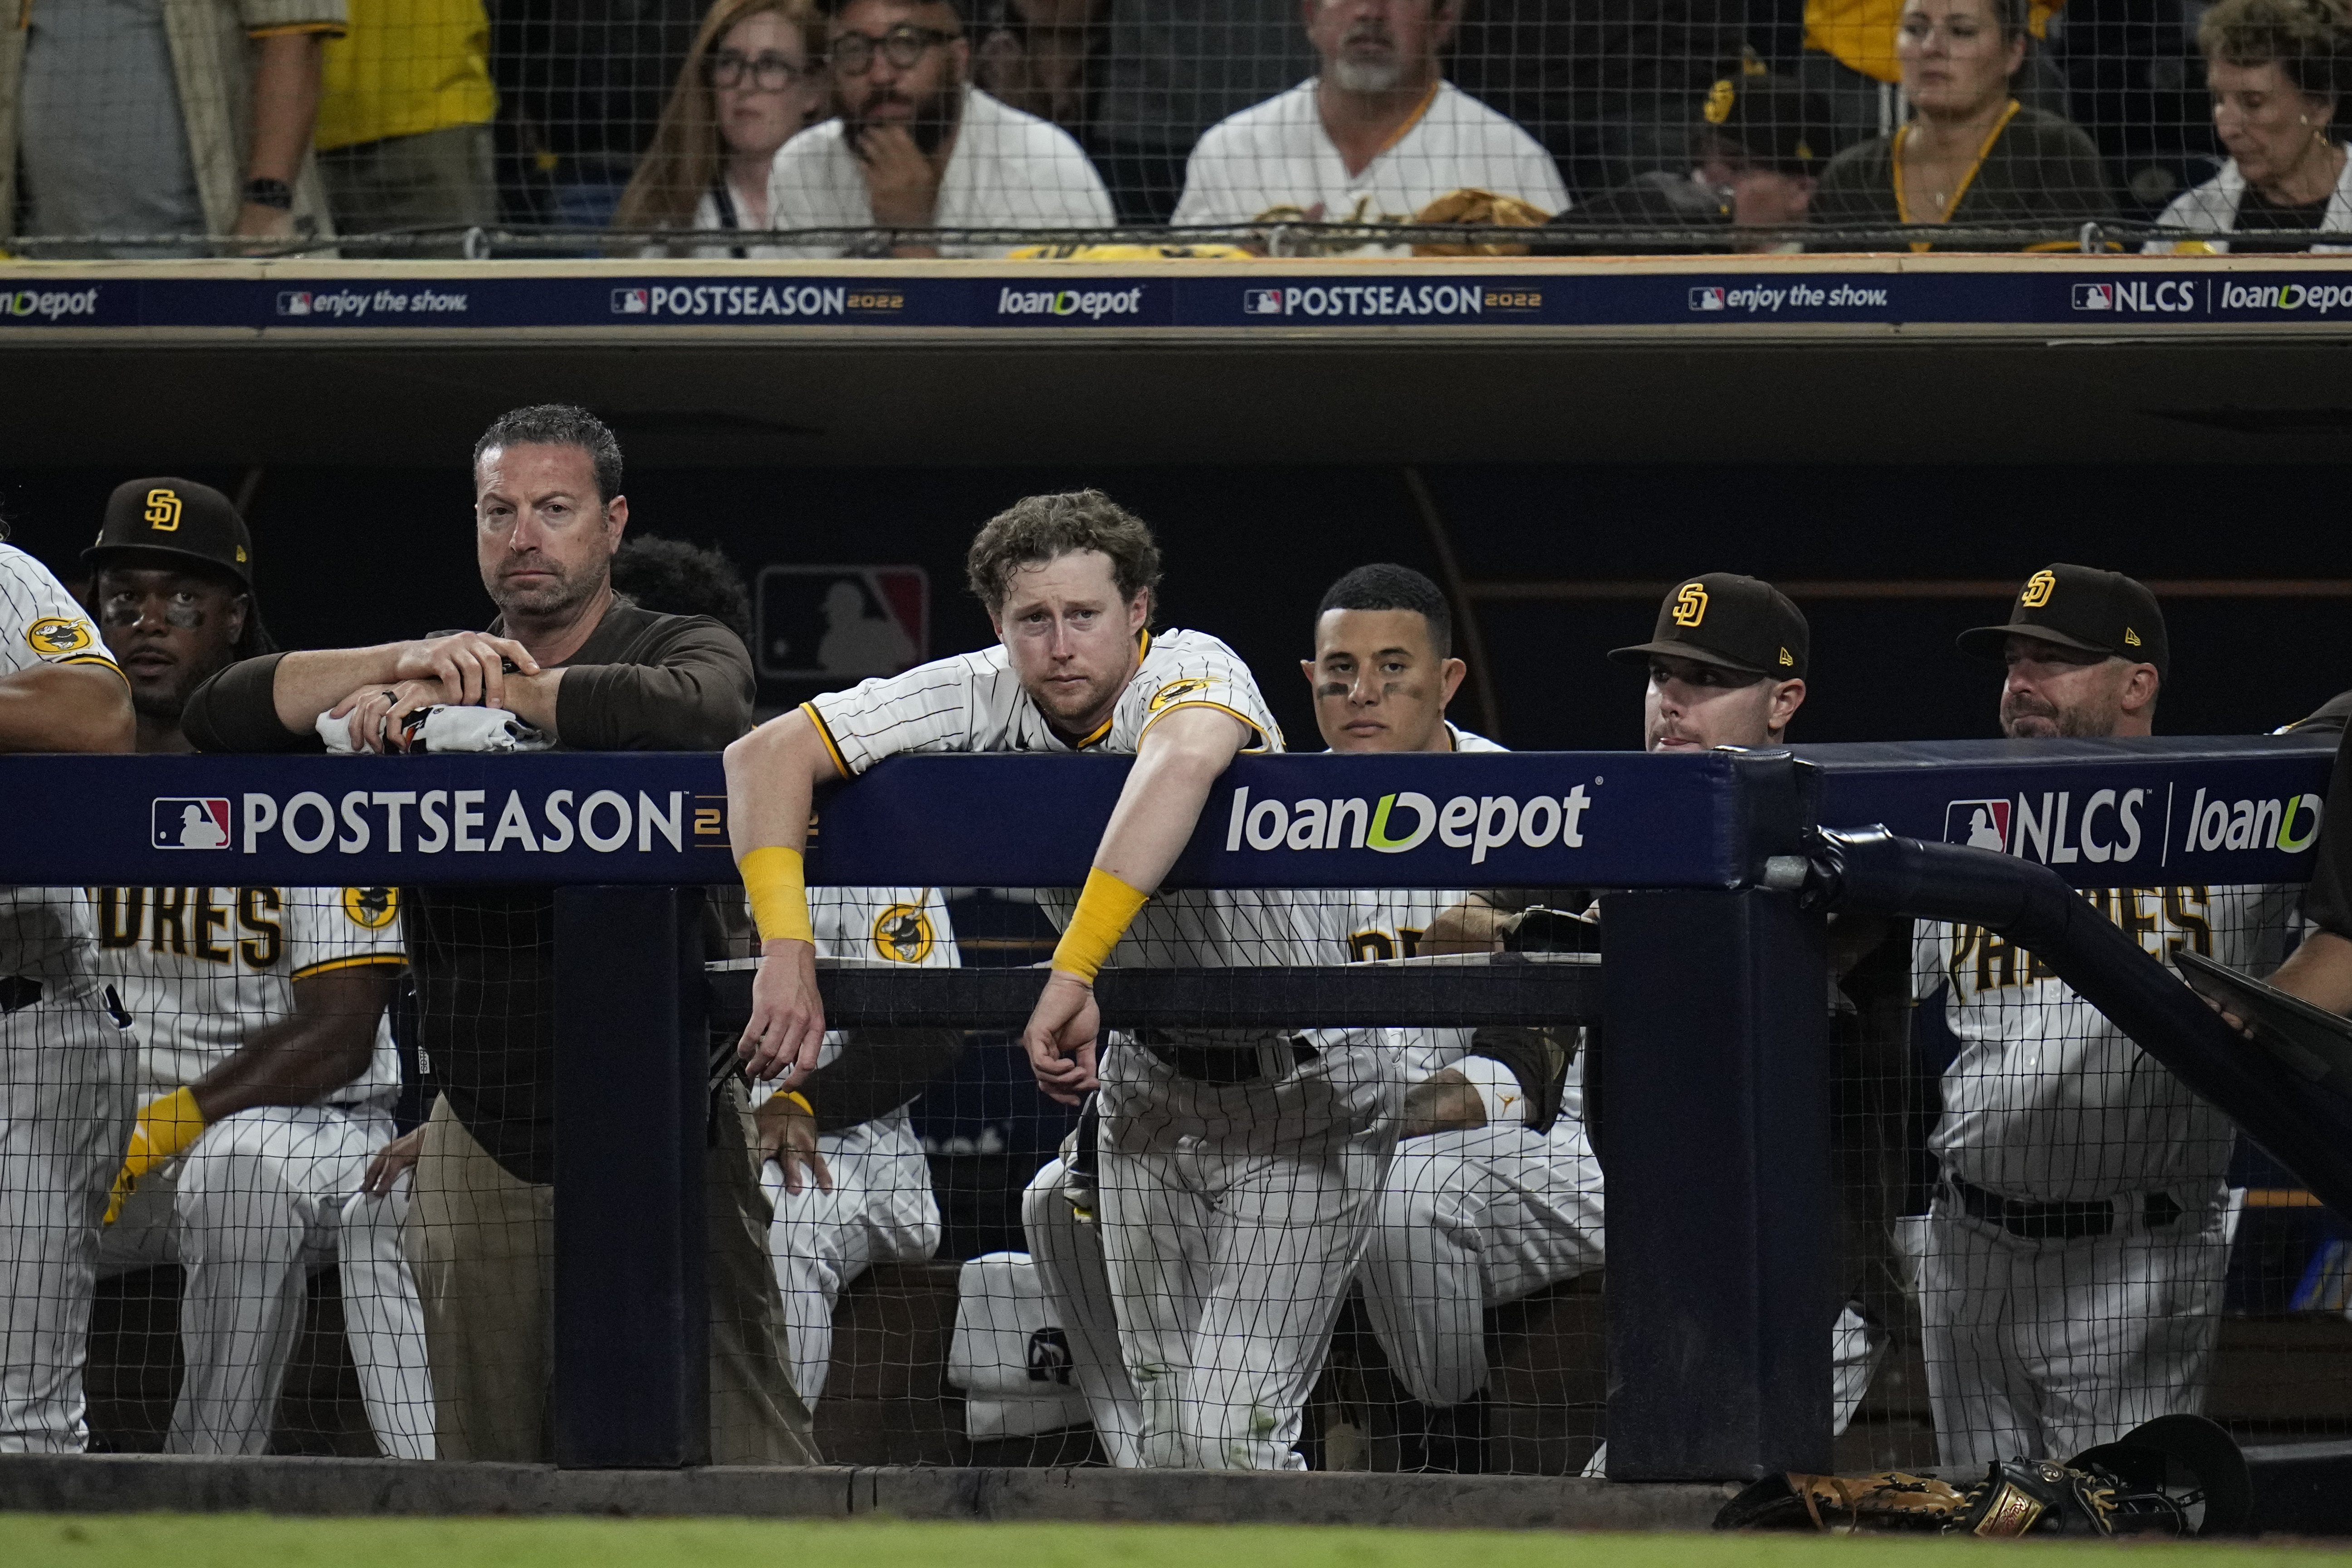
(592, 671)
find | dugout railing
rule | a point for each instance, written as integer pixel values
(1709, 992)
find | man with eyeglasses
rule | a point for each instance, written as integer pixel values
(917, 147)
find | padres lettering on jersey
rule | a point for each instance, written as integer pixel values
(201, 970)
(2163, 921)
(2046, 1098)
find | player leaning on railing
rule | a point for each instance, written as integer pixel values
(1232, 1256)
(65, 1096)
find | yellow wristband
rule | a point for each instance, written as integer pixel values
(797, 1098)
(166, 1129)
(1104, 912)
(772, 876)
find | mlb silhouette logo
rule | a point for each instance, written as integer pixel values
(294, 302)
(632, 302)
(1978, 824)
(835, 625)
(1261, 302)
(189, 822)
(1707, 299)
(2094, 296)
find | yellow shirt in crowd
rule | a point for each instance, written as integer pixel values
(407, 67)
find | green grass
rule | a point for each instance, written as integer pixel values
(251, 1540)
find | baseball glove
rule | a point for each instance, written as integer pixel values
(1537, 1056)
(2017, 1497)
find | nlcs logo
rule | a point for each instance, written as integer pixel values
(162, 513)
(1690, 605)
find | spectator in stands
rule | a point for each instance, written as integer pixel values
(268, 1062)
(1759, 149)
(750, 84)
(1170, 72)
(176, 117)
(1848, 59)
(404, 122)
(1973, 152)
(591, 672)
(1376, 137)
(2276, 70)
(917, 147)
(1605, 85)
(1034, 56)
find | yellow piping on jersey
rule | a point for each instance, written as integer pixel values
(1101, 730)
(824, 733)
(98, 659)
(1903, 202)
(1254, 727)
(367, 960)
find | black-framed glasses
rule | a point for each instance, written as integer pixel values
(768, 71)
(853, 53)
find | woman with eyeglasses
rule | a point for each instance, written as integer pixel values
(1972, 153)
(750, 84)
(2276, 70)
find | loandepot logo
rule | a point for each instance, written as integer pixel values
(1094, 304)
(2287, 824)
(1396, 822)
(49, 304)
(2317, 298)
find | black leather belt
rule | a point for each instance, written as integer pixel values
(2059, 1221)
(17, 992)
(1222, 1065)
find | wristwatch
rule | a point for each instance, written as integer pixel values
(269, 193)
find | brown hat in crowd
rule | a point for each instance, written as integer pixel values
(2080, 608)
(1731, 622)
(174, 517)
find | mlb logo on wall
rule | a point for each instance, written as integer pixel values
(835, 625)
(189, 822)
(632, 301)
(1978, 824)
(2094, 296)
(294, 302)
(1261, 302)
(1707, 299)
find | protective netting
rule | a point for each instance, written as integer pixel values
(827, 128)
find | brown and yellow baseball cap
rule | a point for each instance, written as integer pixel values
(1729, 621)
(2080, 608)
(174, 517)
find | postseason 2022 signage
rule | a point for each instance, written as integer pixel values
(2101, 814)
(2094, 295)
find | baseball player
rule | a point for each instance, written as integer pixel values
(1238, 1167)
(1726, 661)
(1377, 136)
(65, 1060)
(1382, 675)
(2072, 1283)
(266, 1054)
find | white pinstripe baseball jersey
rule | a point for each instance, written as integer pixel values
(201, 970)
(2047, 1098)
(44, 932)
(975, 702)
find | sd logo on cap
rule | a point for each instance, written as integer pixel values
(174, 518)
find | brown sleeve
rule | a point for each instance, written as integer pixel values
(693, 693)
(236, 710)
